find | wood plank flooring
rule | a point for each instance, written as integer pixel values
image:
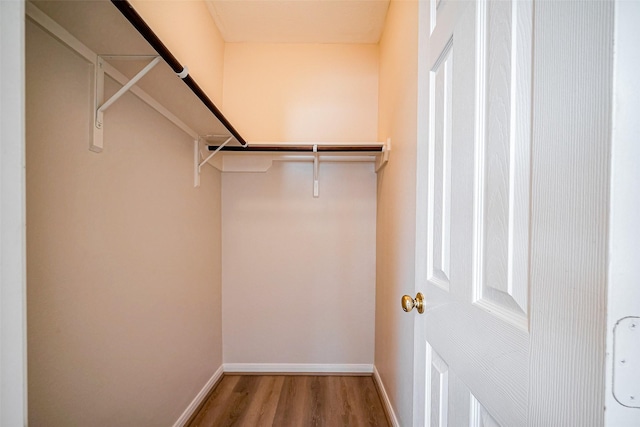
(292, 401)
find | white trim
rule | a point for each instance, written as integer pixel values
(624, 229)
(197, 401)
(385, 399)
(426, 23)
(13, 365)
(298, 368)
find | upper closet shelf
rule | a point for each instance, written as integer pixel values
(259, 157)
(181, 71)
(130, 53)
(97, 32)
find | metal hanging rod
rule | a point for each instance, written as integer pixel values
(301, 148)
(378, 153)
(139, 24)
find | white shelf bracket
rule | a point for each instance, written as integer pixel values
(196, 160)
(384, 157)
(316, 166)
(97, 143)
(97, 140)
(197, 164)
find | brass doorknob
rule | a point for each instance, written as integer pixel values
(408, 303)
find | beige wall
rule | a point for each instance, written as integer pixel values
(298, 271)
(396, 205)
(299, 263)
(302, 92)
(124, 286)
(124, 270)
(189, 32)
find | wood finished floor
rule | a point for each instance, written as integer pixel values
(292, 401)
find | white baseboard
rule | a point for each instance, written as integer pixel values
(285, 368)
(193, 406)
(385, 398)
(298, 368)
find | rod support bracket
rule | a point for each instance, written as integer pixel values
(316, 166)
(383, 158)
(197, 164)
(97, 142)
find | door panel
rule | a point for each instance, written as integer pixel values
(477, 173)
(439, 391)
(438, 263)
(480, 417)
(503, 123)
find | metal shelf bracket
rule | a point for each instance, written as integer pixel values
(97, 143)
(197, 164)
(383, 159)
(316, 167)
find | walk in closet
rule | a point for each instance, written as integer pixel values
(233, 186)
(194, 207)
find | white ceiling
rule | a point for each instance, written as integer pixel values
(299, 21)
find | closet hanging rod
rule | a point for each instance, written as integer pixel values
(302, 148)
(139, 24)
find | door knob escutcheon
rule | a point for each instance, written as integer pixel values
(408, 303)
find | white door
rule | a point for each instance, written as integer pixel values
(512, 212)
(476, 342)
